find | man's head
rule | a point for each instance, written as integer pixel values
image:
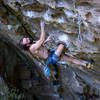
(25, 43)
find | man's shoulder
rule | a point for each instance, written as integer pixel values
(31, 49)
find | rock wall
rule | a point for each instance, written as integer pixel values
(77, 20)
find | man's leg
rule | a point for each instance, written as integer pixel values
(59, 49)
(73, 60)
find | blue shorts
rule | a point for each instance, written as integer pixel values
(52, 58)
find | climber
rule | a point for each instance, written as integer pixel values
(52, 57)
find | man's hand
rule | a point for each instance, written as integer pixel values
(42, 24)
(48, 39)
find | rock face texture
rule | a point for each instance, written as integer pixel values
(78, 21)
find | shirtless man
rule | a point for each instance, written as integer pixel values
(37, 48)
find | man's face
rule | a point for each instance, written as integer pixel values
(26, 41)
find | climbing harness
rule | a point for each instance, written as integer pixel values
(79, 28)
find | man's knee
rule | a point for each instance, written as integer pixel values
(61, 44)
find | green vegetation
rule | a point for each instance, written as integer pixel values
(12, 94)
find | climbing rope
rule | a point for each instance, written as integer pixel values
(79, 28)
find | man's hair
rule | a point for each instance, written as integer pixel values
(23, 46)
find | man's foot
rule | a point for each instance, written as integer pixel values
(90, 64)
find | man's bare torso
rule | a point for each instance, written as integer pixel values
(42, 52)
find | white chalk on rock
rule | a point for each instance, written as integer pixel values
(99, 19)
(10, 27)
(29, 14)
(70, 14)
(63, 38)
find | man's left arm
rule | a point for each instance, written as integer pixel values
(42, 36)
(38, 43)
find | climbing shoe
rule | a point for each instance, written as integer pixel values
(90, 63)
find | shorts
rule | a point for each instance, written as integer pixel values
(52, 58)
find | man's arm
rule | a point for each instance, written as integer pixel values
(38, 44)
(42, 36)
(48, 39)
